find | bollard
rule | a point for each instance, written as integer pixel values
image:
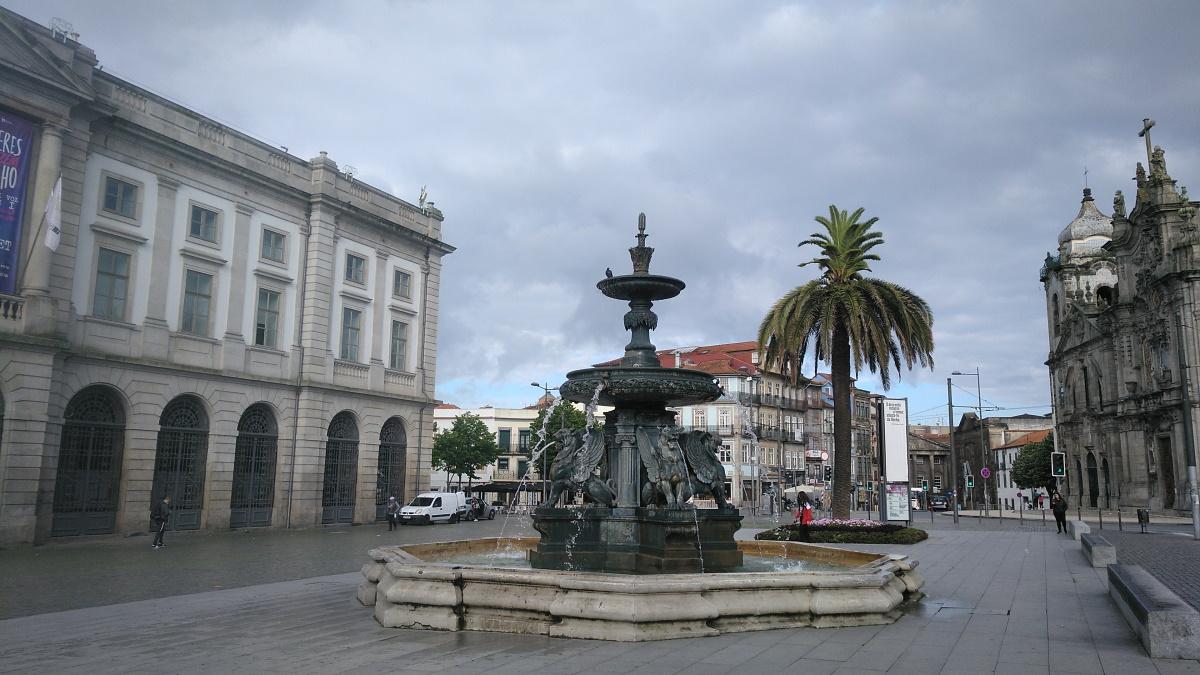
(1021, 513)
(1043, 517)
(1100, 513)
(1119, 524)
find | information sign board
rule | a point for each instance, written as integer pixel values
(899, 502)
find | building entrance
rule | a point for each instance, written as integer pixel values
(341, 470)
(393, 447)
(87, 482)
(179, 462)
(253, 493)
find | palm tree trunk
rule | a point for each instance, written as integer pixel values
(843, 391)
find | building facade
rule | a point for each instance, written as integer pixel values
(1121, 309)
(928, 461)
(249, 332)
(976, 451)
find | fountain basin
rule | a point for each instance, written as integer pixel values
(632, 385)
(419, 586)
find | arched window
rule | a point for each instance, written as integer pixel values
(253, 493)
(180, 461)
(341, 470)
(88, 480)
(393, 448)
(1093, 480)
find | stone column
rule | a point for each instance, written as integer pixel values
(35, 277)
(155, 332)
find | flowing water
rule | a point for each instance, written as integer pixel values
(512, 558)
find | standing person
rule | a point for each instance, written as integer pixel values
(160, 513)
(1058, 504)
(392, 512)
(804, 514)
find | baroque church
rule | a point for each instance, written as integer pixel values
(1121, 311)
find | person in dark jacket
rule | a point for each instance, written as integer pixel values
(393, 513)
(1058, 504)
(160, 513)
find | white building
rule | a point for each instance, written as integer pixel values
(249, 332)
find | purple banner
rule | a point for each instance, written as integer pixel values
(16, 136)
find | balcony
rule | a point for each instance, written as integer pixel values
(11, 309)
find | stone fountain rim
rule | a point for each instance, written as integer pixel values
(401, 562)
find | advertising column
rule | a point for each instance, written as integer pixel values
(897, 500)
(16, 135)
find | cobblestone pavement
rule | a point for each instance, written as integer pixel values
(1173, 560)
(999, 600)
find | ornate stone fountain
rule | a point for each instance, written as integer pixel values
(639, 473)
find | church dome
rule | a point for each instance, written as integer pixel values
(1090, 229)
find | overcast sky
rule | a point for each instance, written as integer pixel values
(543, 128)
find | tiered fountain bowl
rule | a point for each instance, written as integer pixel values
(638, 560)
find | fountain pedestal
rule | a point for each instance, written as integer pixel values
(643, 540)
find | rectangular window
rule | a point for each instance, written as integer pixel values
(203, 224)
(502, 464)
(399, 345)
(523, 437)
(726, 454)
(699, 419)
(120, 197)
(356, 269)
(112, 285)
(522, 468)
(266, 322)
(938, 459)
(402, 284)
(273, 246)
(505, 440)
(351, 327)
(197, 302)
(937, 483)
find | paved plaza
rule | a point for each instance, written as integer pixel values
(1001, 598)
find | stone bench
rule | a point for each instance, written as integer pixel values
(1167, 626)
(1097, 550)
(1077, 528)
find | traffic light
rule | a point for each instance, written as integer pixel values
(970, 481)
(925, 485)
(870, 487)
(828, 473)
(1058, 464)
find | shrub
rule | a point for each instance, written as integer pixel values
(829, 531)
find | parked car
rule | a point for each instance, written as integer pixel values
(939, 502)
(434, 507)
(477, 509)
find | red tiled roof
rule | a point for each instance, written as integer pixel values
(1031, 437)
(731, 358)
(447, 406)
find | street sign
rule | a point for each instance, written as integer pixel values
(824, 456)
(985, 472)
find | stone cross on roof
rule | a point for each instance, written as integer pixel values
(1145, 133)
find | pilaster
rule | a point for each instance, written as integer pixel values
(234, 344)
(155, 332)
(35, 287)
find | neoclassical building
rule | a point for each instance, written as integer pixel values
(249, 332)
(1122, 316)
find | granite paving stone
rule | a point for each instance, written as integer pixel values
(1000, 598)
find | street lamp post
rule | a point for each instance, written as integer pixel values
(982, 449)
(953, 452)
(547, 388)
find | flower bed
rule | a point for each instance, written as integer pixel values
(846, 531)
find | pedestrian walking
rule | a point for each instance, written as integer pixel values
(1058, 504)
(160, 513)
(392, 512)
(804, 514)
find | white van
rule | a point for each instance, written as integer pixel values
(434, 507)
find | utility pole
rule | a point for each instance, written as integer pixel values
(953, 452)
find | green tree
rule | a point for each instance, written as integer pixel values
(1031, 468)
(562, 416)
(464, 448)
(847, 319)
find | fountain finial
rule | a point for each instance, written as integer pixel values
(641, 253)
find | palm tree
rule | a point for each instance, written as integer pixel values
(847, 318)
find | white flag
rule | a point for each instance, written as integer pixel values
(54, 216)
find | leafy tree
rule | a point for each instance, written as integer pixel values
(562, 416)
(464, 448)
(1031, 468)
(849, 319)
